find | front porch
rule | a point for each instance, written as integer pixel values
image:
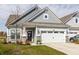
(21, 35)
(28, 35)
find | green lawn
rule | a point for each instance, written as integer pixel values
(14, 49)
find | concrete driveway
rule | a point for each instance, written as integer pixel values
(68, 48)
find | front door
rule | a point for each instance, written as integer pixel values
(29, 35)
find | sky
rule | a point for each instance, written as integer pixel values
(59, 9)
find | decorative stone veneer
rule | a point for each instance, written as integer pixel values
(23, 39)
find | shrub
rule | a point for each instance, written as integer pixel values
(9, 42)
(38, 41)
(28, 42)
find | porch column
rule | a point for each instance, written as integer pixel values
(8, 36)
(67, 36)
(35, 38)
(24, 36)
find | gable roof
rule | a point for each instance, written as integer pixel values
(35, 15)
(27, 13)
(14, 18)
(68, 17)
(32, 17)
(40, 12)
(11, 18)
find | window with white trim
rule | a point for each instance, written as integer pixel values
(13, 34)
(45, 16)
(76, 20)
(43, 31)
(55, 31)
(18, 34)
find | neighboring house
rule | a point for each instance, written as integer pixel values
(73, 21)
(34, 24)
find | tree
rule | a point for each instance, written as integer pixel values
(16, 10)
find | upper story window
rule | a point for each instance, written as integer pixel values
(45, 16)
(76, 20)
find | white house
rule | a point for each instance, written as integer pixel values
(36, 24)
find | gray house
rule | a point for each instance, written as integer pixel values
(72, 20)
(36, 24)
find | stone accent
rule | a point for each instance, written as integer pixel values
(24, 39)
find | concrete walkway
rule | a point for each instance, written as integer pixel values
(68, 48)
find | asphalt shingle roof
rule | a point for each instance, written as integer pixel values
(68, 17)
(11, 19)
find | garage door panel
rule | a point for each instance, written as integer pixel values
(53, 37)
(47, 38)
(59, 37)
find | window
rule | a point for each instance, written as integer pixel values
(76, 20)
(77, 36)
(50, 31)
(43, 31)
(18, 34)
(72, 32)
(12, 34)
(56, 32)
(45, 16)
(62, 32)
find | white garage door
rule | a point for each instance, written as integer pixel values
(53, 37)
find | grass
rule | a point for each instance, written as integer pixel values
(2, 38)
(14, 49)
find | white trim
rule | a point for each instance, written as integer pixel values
(24, 31)
(15, 32)
(35, 37)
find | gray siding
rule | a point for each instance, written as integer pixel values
(73, 23)
(52, 18)
(27, 17)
